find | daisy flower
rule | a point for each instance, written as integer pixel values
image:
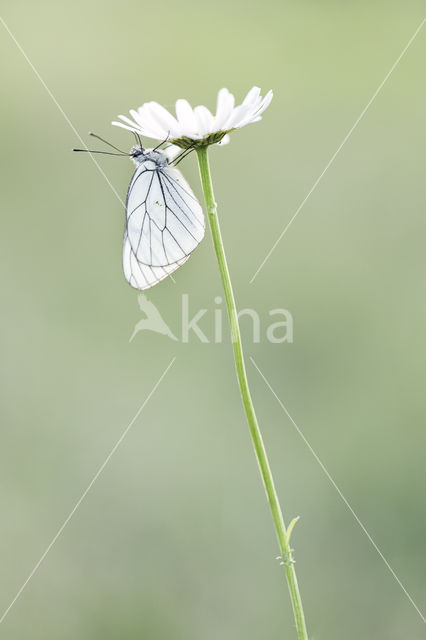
(196, 127)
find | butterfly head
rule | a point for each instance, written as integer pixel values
(140, 155)
(137, 154)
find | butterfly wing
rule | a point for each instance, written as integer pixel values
(165, 221)
(142, 276)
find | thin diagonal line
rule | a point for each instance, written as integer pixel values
(58, 106)
(89, 486)
(337, 489)
(339, 148)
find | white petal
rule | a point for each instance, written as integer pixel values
(239, 114)
(125, 126)
(139, 127)
(204, 120)
(150, 125)
(225, 140)
(255, 110)
(186, 118)
(136, 118)
(225, 106)
(252, 96)
(164, 120)
(265, 103)
(131, 123)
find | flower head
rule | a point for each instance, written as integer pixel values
(196, 126)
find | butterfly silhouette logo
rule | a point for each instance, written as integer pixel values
(153, 320)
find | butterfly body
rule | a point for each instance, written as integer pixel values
(140, 156)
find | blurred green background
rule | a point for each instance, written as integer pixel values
(174, 541)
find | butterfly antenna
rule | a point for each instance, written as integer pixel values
(183, 155)
(94, 135)
(138, 139)
(161, 143)
(105, 153)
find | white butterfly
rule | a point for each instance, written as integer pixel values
(164, 220)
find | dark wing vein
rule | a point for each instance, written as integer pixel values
(174, 212)
(172, 179)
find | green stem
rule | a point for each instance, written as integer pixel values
(262, 459)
